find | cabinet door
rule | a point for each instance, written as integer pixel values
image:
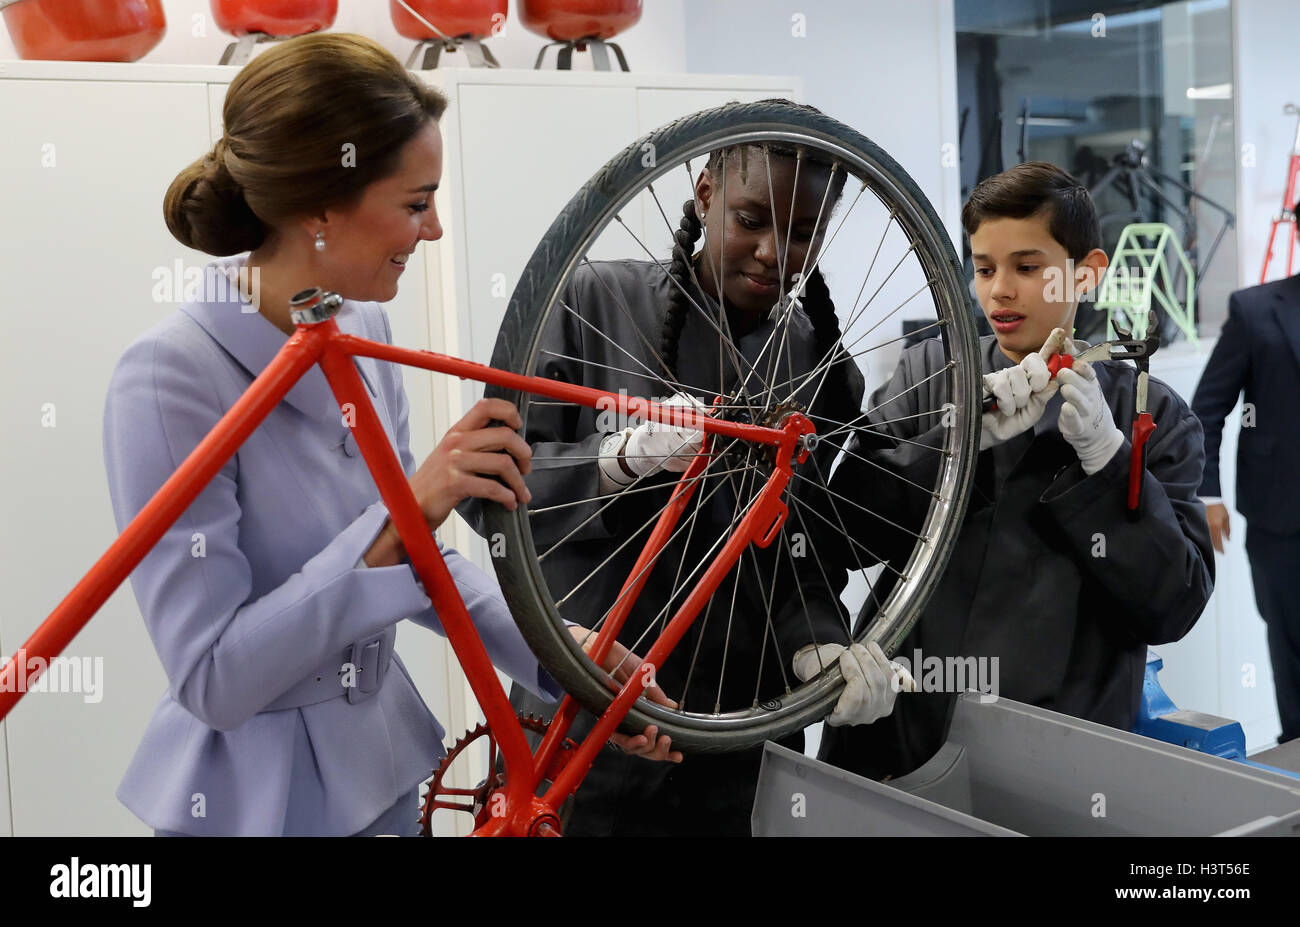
(89, 266)
(525, 150)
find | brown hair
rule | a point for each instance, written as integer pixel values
(1038, 188)
(288, 116)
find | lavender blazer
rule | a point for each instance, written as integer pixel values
(255, 599)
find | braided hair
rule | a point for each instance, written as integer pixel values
(838, 395)
(684, 240)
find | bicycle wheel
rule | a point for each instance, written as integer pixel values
(567, 553)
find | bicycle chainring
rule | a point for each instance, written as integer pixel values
(477, 800)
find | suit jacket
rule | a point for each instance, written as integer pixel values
(1259, 352)
(255, 599)
(1048, 576)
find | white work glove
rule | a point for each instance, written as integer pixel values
(1085, 419)
(652, 446)
(871, 681)
(1022, 393)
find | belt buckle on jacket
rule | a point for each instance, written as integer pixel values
(370, 659)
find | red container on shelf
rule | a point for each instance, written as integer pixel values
(452, 17)
(569, 20)
(274, 17)
(85, 30)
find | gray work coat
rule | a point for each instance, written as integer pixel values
(1048, 576)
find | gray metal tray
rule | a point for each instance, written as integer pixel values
(1012, 769)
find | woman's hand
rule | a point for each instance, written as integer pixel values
(467, 458)
(621, 663)
(462, 465)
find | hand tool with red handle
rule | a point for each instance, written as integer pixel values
(1108, 350)
(1143, 424)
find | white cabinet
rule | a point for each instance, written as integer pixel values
(82, 174)
(89, 150)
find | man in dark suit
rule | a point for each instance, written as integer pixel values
(1259, 352)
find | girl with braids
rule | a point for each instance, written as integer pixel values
(655, 328)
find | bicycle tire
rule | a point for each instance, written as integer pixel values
(543, 279)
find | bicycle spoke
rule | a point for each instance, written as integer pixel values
(627, 314)
(592, 363)
(782, 253)
(803, 602)
(726, 639)
(748, 471)
(658, 487)
(695, 654)
(920, 444)
(871, 512)
(921, 289)
(704, 561)
(717, 276)
(700, 309)
(650, 521)
(929, 491)
(828, 360)
(871, 589)
(672, 385)
(613, 497)
(808, 539)
(820, 254)
(686, 545)
(822, 382)
(856, 543)
(844, 529)
(848, 426)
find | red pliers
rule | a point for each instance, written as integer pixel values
(1107, 350)
(1143, 424)
(1124, 348)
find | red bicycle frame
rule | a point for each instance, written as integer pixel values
(321, 342)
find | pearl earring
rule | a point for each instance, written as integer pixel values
(320, 241)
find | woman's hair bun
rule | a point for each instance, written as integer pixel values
(205, 208)
(289, 117)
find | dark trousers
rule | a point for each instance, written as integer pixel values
(706, 795)
(1274, 559)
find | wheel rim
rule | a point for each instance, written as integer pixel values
(870, 173)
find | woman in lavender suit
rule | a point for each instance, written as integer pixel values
(273, 600)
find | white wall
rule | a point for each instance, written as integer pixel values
(653, 45)
(887, 69)
(1268, 77)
